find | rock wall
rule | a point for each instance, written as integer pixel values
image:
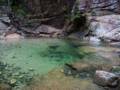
(100, 6)
(104, 18)
(50, 12)
(107, 27)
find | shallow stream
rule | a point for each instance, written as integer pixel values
(46, 56)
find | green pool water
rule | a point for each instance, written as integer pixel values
(46, 56)
(40, 55)
(43, 55)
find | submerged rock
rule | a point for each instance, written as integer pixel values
(79, 69)
(5, 87)
(56, 80)
(105, 79)
(11, 77)
(116, 70)
(13, 81)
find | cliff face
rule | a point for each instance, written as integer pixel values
(104, 6)
(52, 12)
(105, 18)
(40, 6)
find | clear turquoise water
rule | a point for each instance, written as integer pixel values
(44, 55)
(39, 55)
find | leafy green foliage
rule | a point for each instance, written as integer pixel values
(76, 15)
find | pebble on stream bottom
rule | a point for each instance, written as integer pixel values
(12, 77)
(5, 87)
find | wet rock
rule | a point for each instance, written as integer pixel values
(5, 87)
(92, 40)
(105, 79)
(107, 27)
(110, 57)
(84, 69)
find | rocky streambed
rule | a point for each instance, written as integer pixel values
(93, 63)
(62, 64)
(56, 61)
(12, 77)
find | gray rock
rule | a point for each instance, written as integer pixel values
(99, 7)
(2, 26)
(107, 27)
(105, 79)
(48, 31)
(3, 29)
(12, 36)
(115, 44)
(5, 19)
(84, 69)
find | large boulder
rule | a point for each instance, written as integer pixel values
(106, 79)
(43, 31)
(106, 27)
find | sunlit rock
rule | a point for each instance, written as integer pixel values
(13, 36)
(107, 28)
(104, 78)
(94, 40)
